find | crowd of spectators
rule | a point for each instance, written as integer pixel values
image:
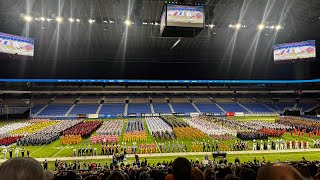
(179, 169)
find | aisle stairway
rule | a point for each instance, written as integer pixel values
(126, 110)
(151, 107)
(71, 108)
(196, 107)
(171, 108)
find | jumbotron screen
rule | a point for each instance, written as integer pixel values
(16, 47)
(185, 16)
(298, 51)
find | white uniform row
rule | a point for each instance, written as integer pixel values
(5, 130)
(208, 127)
(156, 124)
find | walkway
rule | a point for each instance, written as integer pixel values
(174, 154)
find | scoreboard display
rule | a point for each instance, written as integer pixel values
(185, 16)
(298, 51)
(182, 20)
(16, 47)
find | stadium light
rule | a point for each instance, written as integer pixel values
(42, 18)
(48, 19)
(211, 26)
(71, 20)
(278, 27)
(78, 20)
(27, 18)
(238, 26)
(231, 26)
(59, 19)
(127, 22)
(91, 21)
(261, 26)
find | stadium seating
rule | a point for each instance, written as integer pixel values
(139, 108)
(85, 109)
(232, 107)
(283, 105)
(306, 106)
(161, 108)
(56, 110)
(36, 108)
(208, 108)
(256, 107)
(112, 108)
(183, 107)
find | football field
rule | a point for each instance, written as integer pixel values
(56, 150)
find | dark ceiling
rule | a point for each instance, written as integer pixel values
(112, 50)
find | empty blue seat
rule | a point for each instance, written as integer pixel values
(232, 107)
(56, 109)
(208, 108)
(183, 107)
(138, 108)
(161, 108)
(114, 108)
(257, 107)
(85, 109)
(36, 108)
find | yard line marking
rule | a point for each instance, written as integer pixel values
(38, 149)
(60, 151)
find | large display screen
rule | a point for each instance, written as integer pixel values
(16, 47)
(185, 16)
(298, 51)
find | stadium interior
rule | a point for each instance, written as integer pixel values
(154, 89)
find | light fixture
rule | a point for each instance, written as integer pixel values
(59, 19)
(91, 21)
(238, 26)
(42, 18)
(261, 26)
(71, 20)
(27, 18)
(278, 27)
(49, 19)
(78, 20)
(128, 22)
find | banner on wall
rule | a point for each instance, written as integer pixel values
(194, 114)
(229, 113)
(238, 114)
(93, 116)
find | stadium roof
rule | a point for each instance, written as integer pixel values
(110, 50)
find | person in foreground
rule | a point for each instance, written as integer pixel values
(22, 168)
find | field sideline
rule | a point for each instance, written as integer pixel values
(56, 150)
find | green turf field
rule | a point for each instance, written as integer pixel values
(56, 150)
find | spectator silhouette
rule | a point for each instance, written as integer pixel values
(181, 169)
(22, 168)
(279, 171)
